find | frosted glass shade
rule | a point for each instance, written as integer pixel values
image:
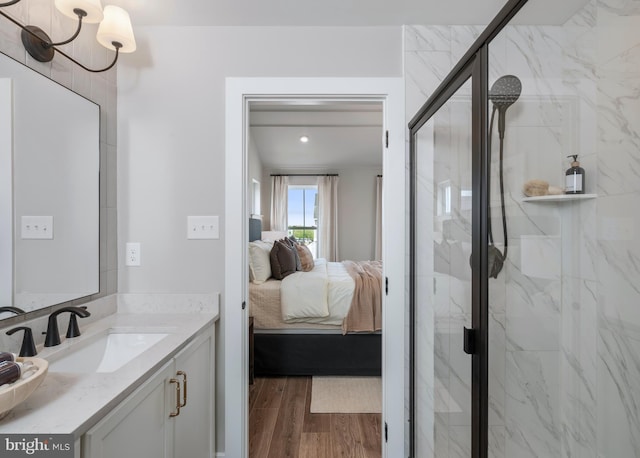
(93, 8)
(116, 26)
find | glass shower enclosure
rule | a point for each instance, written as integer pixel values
(524, 299)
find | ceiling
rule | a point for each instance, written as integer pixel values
(336, 12)
(341, 134)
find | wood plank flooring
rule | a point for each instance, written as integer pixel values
(280, 424)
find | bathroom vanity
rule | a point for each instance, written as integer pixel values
(157, 403)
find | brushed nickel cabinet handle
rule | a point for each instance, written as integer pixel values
(177, 412)
(184, 390)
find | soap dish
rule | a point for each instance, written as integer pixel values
(14, 394)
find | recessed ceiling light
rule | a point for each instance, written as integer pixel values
(304, 139)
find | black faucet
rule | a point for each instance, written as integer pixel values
(53, 335)
(10, 308)
(28, 347)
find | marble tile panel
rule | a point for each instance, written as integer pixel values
(532, 332)
(534, 54)
(528, 295)
(497, 294)
(580, 251)
(617, 27)
(578, 368)
(442, 353)
(427, 38)
(532, 417)
(460, 296)
(497, 441)
(460, 374)
(619, 259)
(585, 17)
(497, 369)
(540, 256)
(462, 37)
(459, 441)
(424, 71)
(619, 134)
(618, 397)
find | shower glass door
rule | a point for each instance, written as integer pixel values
(442, 279)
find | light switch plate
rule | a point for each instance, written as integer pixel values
(203, 227)
(36, 227)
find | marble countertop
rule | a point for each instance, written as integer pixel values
(71, 403)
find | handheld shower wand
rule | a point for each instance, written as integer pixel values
(503, 93)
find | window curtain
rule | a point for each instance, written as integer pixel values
(279, 203)
(328, 218)
(378, 227)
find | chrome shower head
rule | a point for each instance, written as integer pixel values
(505, 91)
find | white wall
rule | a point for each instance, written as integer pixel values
(357, 213)
(171, 137)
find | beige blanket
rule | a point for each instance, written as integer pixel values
(365, 314)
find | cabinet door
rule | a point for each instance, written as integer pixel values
(138, 427)
(194, 428)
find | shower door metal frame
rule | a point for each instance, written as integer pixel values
(475, 65)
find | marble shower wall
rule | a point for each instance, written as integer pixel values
(97, 87)
(617, 244)
(564, 322)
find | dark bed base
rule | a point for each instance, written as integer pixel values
(317, 354)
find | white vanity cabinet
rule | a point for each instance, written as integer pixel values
(170, 415)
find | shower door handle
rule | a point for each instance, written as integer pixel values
(469, 341)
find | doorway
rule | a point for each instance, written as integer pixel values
(240, 92)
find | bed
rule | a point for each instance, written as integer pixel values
(294, 336)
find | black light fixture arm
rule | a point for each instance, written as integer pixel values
(115, 44)
(12, 2)
(80, 13)
(40, 47)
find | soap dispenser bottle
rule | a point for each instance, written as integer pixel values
(574, 179)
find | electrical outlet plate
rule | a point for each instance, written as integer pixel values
(132, 256)
(203, 227)
(36, 227)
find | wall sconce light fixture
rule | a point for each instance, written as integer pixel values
(114, 32)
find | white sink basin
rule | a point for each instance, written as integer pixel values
(107, 353)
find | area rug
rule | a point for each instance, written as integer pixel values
(346, 394)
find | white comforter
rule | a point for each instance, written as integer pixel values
(322, 295)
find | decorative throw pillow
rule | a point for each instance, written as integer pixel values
(306, 258)
(291, 242)
(283, 260)
(259, 262)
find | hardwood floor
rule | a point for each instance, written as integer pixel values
(280, 424)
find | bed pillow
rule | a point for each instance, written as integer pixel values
(291, 241)
(259, 261)
(283, 260)
(306, 258)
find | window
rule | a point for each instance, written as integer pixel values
(255, 197)
(303, 215)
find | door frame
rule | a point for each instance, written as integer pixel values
(234, 320)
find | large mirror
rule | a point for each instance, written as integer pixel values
(49, 191)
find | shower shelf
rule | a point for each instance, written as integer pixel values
(559, 198)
